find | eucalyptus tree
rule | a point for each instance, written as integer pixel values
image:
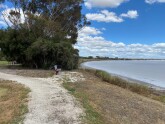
(41, 33)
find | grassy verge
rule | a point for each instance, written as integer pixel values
(137, 88)
(13, 102)
(3, 63)
(92, 116)
(134, 87)
(23, 71)
(28, 72)
(35, 73)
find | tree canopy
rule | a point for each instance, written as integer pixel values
(42, 33)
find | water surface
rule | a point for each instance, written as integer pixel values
(149, 71)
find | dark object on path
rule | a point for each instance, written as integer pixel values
(57, 69)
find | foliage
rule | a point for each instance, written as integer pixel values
(42, 33)
(2, 57)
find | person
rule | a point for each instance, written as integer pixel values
(57, 69)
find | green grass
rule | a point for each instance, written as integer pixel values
(3, 63)
(91, 115)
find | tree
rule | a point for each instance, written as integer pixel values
(41, 33)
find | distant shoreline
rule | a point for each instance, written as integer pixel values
(107, 58)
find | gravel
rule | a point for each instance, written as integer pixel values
(49, 102)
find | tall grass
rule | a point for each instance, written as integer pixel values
(134, 87)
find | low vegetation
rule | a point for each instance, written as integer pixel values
(6, 67)
(134, 87)
(106, 103)
(92, 115)
(35, 73)
(4, 63)
(13, 102)
(137, 88)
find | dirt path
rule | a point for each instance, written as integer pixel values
(49, 102)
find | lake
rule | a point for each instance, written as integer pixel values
(149, 71)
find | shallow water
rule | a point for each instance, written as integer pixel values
(149, 71)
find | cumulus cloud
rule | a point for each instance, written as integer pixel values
(96, 45)
(89, 31)
(107, 16)
(103, 3)
(130, 14)
(104, 16)
(159, 45)
(154, 1)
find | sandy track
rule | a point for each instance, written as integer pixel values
(49, 102)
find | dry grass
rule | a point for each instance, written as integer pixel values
(137, 88)
(29, 72)
(134, 87)
(19, 70)
(13, 102)
(3, 91)
(92, 115)
(116, 105)
(36, 73)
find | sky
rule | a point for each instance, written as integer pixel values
(120, 28)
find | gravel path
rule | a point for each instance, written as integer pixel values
(49, 102)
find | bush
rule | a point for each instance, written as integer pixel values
(38, 52)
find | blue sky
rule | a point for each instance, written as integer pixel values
(139, 35)
(147, 28)
(120, 28)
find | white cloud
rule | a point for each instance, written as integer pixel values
(96, 45)
(154, 1)
(89, 31)
(103, 3)
(159, 45)
(130, 14)
(2, 6)
(106, 16)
